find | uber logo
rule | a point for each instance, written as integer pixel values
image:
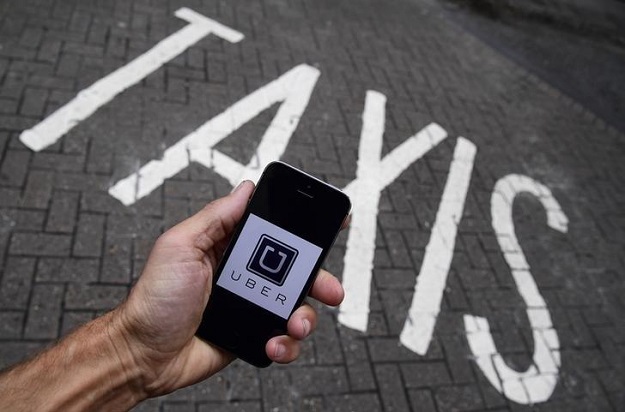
(272, 259)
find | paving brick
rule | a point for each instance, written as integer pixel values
(275, 380)
(306, 380)
(16, 283)
(326, 342)
(63, 210)
(243, 381)
(175, 211)
(82, 182)
(64, 270)
(377, 324)
(100, 202)
(492, 398)
(149, 405)
(11, 324)
(421, 400)
(51, 82)
(359, 367)
(395, 304)
(190, 190)
(617, 400)
(117, 260)
(94, 297)
(4, 241)
(14, 168)
(476, 278)
(354, 402)
(34, 102)
(29, 244)
(4, 139)
(425, 374)
(397, 249)
(458, 358)
(89, 235)
(232, 407)
(58, 161)
(44, 312)
(397, 221)
(583, 334)
(49, 50)
(9, 197)
(455, 296)
(100, 158)
(391, 388)
(27, 220)
(14, 122)
(460, 398)
(71, 47)
(179, 407)
(312, 404)
(361, 377)
(612, 380)
(4, 64)
(132, 226)
(476, 255)
(38, 190)
(395, 278)
(388, 350)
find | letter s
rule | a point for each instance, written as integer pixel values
(538, 382)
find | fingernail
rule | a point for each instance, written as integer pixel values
(238, 187)
(306, 326)
(280, 349)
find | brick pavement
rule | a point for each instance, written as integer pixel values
(69, 251)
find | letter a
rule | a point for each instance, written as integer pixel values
(293, 88)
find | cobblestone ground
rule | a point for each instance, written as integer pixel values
(69, 251)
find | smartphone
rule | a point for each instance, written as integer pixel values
(289, 226)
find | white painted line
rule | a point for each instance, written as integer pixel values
(89, 100)
(538, 381)
(372, 176)
(216, 28)
(293, 88)
(365, 197)
(430, 285)
(514, 389)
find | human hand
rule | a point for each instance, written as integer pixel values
(159, 320)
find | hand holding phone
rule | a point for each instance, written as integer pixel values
(148, 342)
(267, 270)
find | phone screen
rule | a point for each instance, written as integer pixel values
(277, 268)
(285, 233)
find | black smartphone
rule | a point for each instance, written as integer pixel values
(289, 226)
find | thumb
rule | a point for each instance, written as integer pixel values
(217, 219)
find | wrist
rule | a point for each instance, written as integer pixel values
(132, 386)
(90, 369)
(101, 373)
